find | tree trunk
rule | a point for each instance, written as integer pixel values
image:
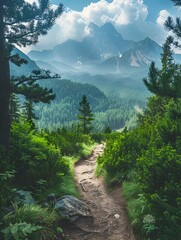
(4, 87)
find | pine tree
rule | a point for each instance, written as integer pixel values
(86, 115)
(174, 26)
(167, 81)
(21, 23)
(15, 113)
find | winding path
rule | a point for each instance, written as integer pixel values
(109, 219)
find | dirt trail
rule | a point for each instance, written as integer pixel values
(109, 221)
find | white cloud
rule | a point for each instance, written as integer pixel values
(128, 16)
(119, 12)
(163, 15)
(31, 1)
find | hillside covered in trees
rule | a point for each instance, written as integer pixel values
(109, 111)
(114, 112)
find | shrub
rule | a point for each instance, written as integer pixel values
(34, 158)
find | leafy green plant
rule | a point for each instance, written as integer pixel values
(21, 231)
(30, 222)
(149, 225)
(7, 191)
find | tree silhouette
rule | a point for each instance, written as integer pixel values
(86, 115)
(21, 23)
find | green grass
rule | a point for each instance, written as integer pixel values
(99, 170)
(87, 150)
(67, 186)
(137, 205)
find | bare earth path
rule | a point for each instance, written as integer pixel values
(109, 221)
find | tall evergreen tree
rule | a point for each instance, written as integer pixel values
(21, 23)
(86, 115)
(15, 108)
(167, 81)
(174, 26)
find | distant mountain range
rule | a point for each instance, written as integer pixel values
(103, 50)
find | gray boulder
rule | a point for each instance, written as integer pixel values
(71, 208)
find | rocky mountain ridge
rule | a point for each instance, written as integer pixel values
(102, 46)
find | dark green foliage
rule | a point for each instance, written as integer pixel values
(155, 164)
(85, 115)
(7, 191)
(150, 156)
(30, 222)
(121, 151)
(29, 114)
(34, 158)
(21, 23)
(15, 108)
(25, 22)
(174, 26)
(68, 140)
(167, 81)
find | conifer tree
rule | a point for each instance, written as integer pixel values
(86, 115)
(167, 81)
(14, 108)
(21, 23)
(174, 26)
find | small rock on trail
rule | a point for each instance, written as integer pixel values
(109, 220)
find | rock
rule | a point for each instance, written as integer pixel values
(24, 197)
(71, 208)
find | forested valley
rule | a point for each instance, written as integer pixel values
(49, 125)
(114, 110)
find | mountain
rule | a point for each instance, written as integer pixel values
(103, 51)
(140, 56)
(24, 69)
(101, 43)
(106, 41)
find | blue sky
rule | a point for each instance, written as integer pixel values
(133, 19)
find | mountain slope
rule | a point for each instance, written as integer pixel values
(24, 69)
(140, 56)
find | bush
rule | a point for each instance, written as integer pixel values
(158, 172)
(34, 158)
(121, 151)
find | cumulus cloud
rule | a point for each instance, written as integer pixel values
(119, 12)
(163, 15)
(128, 16)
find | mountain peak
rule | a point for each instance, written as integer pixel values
(109, 28)
(147, 39)
(148, 42)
